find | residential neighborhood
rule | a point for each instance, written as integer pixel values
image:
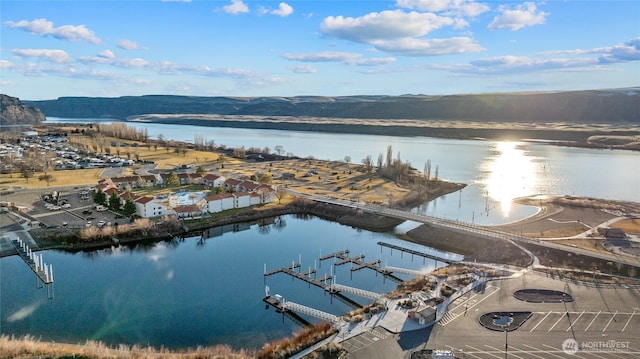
(222, 194)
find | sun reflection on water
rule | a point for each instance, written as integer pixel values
(511, 174)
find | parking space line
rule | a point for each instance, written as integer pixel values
(594, 319)
(555, 350)
(463, 352)
(484, 351)
(498, 350)
(541, 320)
(526, 352)
(571, 324)
(557, 321)
(463, 302)
(610, 320)
(628, 321)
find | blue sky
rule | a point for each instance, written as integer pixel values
(261, 48)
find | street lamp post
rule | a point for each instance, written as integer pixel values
(506, 345)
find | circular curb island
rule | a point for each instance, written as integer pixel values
(504, 321)
(531, 295)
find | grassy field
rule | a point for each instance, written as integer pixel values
(329, 178)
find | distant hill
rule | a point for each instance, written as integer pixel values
(616, 106)
(14, 112)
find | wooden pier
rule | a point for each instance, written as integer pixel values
(416, 253)
(359, 263)
(43, 272)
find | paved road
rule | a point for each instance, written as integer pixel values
(483, 231)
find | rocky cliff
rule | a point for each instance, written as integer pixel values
(616, 106)
(14, 112)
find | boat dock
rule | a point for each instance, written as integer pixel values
(44, 272)
(416, 253)
(359, 263)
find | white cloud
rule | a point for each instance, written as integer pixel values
(107, 54)
(385, 25)
(429, 47)
(283, 10)
(459, 7)
(44, 27)
(107, 57)
(128, 45)
(522, 15)
(57, 56)
(303, 69)
(403, 33)
(348, 58)
(236, 7)
(325, 56)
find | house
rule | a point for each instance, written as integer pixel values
(248, 186)
(232, 185)
(242, 199)
(220, 202)
(149, 180)
(126, 182)
(268, 193)
(213, 181)
(148, 207)
(188, 211)
(255, 198)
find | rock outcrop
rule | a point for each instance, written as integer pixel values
(14, 112)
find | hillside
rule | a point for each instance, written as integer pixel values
(14, 112)
(618, 106)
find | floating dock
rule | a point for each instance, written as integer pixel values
(359, 263)
(44, 272)
(416, 253)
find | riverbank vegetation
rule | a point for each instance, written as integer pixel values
(284, 348)
(30, 347)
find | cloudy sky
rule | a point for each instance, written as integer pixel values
(261, 48)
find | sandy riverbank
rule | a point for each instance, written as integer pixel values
(619, 136)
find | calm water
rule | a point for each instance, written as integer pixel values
(195, 292)
(191, 292)
(495, 172)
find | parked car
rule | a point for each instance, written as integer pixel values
(66, 205)
(101, 208)
(86, 211)
(55, 208)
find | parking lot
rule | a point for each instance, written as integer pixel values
(604, 322)
(81, 212)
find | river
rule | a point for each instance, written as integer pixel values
(495, 172)
(207, 289)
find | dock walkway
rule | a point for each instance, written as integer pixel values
(416, 253)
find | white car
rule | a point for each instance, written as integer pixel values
(55, 208)
(101, 223)
(66, 205)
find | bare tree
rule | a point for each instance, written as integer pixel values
(368, 164)
(347, 159)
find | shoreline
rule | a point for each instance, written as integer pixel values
(606, 136)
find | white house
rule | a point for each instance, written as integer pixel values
(242, 199)
(232, 185)
(220, 202)
(267, 192)
(148, 207)
(213, 181)
(255, 198)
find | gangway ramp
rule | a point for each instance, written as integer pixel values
(356, 291)
(412, 272)
(287, 306)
